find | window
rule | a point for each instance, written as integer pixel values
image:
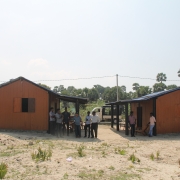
(24, 104)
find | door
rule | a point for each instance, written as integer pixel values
(139, 117)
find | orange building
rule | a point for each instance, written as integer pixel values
(165, 106)
(24, 105)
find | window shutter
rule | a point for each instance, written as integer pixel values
(31, 104)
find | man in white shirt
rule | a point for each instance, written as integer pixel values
(52, 121)
(59, 119)
(152, 121)
(87, 124)
(94, 126)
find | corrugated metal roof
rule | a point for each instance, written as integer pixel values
(146, 97)
(62, 97)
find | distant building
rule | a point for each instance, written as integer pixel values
(166, 108)
(24, 105)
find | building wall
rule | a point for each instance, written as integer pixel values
(147, 108)
(9, 119)
(168, 113)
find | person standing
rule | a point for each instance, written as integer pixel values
(77, 120)
(94, 125)
(66, 119)
(59, 119)
(87, 124)
(132, 122)
(52, 121)
(152, 121)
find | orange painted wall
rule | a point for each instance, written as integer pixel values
(168, 113)
(9, 119)
(147, 108)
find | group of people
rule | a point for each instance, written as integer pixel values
(132, 123)
(59, 123)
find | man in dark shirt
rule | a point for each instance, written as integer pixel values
(66, 120)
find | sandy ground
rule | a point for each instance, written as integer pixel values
(102, 158)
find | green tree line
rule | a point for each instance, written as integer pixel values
(109, 94)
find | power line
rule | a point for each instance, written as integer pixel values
(100, 77)
(145, 78)
(77, 78)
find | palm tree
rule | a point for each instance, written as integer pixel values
(135, 86)
(161, 77)
(178, 73)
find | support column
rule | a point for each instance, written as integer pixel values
(126, 120)
(154, 112)
(77, 106)
(117, 117)
(112, 116)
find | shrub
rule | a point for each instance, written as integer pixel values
(3, 170)
(157, 154)
(80, 151)
(120, 151)
(132, 158)
(41, 155)
(111, 168)
(152, 157)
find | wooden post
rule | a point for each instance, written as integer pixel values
(126, 120)
(154, 112)
(77, 106)
(112, 115)
(117, 117)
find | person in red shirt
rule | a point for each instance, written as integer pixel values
(132, 122)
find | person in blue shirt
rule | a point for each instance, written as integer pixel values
(66, 119)
(77, 122)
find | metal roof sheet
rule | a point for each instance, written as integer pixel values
(146, 97)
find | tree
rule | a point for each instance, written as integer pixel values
(178, 73)
(99, 88)
(55, 89)
(161, 77)
(93, 94)
(135, 86)
(123, 88)
(71, 89)
(172, 86)
(110, 94)
(61, 88)
(143, 90)
(45, 86)
(85, 90)
(159, 87)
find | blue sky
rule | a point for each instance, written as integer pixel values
(65, 39)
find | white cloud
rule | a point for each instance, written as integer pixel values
(38, 63)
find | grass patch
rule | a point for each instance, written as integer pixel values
(65, 176)
(103, 154)
(3, 170)
(112, 168)
(9, 153)
(134, 159)
(80, 151)
(41, 155)
(120, 151)
(125, 176)
(95, 175)
(152, 156)
(157, 154)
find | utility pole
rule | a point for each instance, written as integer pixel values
(117, 87)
